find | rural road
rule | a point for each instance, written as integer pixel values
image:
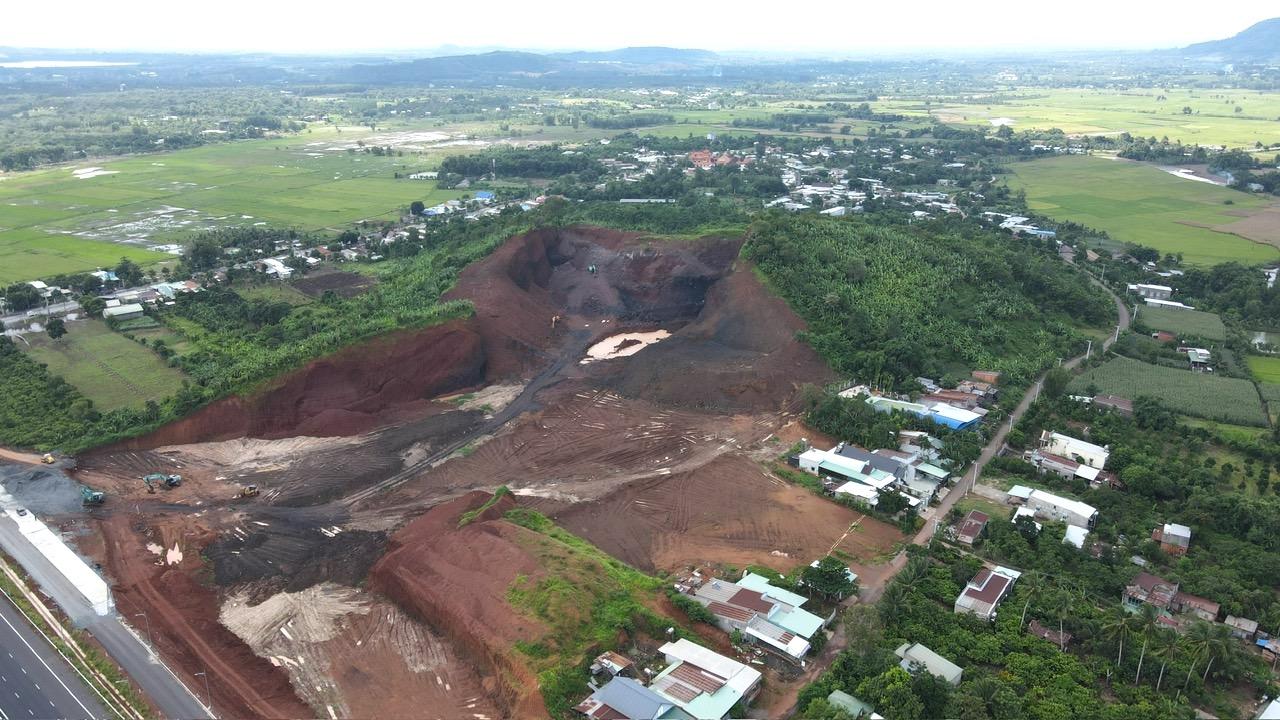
(35, 681)
(156, 680)
(872, 583)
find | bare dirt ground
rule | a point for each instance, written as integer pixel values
(653, 457)
(729, 510)
(342, 283)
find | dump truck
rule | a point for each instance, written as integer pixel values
(89, 496)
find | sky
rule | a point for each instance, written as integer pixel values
(853, 28)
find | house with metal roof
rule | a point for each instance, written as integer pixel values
(1242, 628)
(1048, 506)
(968, 529)
(985, 591)
(1151, 590)
(703, 683)
(762, 615)
(852, 705)
(1174, 539)
(625, 699)
(1085, 453)
(915, 655)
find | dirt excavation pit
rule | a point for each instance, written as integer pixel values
(347, 589)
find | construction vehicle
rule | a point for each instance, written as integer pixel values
(249, 491)
(154, 479)
(89, 496)
(48, 459)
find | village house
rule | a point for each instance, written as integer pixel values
(856, 708)
(1062, 467)
(1242, 628)
(970, 528)
(915, 655)
(1202, 608)
(1149, 589)
(127, 311)
(1174, 539)
(1124, 406)
(1086, 453)
(704, 683)
(766, 615)
(1156, 292)
(985, 591)
(1048, 506)
(623, 698)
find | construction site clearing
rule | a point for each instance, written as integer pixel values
(313, 559)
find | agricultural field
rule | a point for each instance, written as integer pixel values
(1202, 395)
(82, 217)
(108, 368)
(1138, 111)
(1137, 203)
(1265, 369)
(1183, 322)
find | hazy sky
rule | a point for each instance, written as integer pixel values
(843, 27)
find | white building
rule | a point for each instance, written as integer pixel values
(1086, 453)
(1048, 506)
(1155, 292)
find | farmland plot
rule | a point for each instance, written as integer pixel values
(1199, 394)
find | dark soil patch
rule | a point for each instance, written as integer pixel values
(283, 557)
(341, 282)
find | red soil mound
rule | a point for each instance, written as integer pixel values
(182, 619)
(455, 579)
(347, 393)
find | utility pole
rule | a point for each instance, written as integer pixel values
(208, 705)
(1088, 351)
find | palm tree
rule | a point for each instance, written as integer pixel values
(1061, 603)
(1118, 626)
(1147, 623)
(1164, 645)
(1033, 583)
(1199, 641)
(1221, 647)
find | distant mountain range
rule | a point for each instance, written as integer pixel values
(1259, 43)
(639, 61)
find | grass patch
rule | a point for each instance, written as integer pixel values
(1183, 322)
(1203, 395)
(1265, 369)
(1142, 204)
(469, 516)
(587, 599)
(274, 292)
(106, 367)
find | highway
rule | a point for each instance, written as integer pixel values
(35, 682)
(169, 694)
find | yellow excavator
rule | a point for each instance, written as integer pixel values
(249, 491)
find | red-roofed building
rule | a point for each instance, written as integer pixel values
(968, 529)
(984, 592)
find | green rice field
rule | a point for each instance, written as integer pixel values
(106, 367)
(1138, 203)
(55, 221)
(1204, 395)
(1265, 368)
(1144, 112)
(1183, 322)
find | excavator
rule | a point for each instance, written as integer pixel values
(89, 496)
(249, 491)
(154, 479)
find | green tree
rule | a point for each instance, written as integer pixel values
(1147, 622)
(416, 207)
(829, 578)
(56, 328)
(1117, 626)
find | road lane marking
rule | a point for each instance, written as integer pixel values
(14, 630)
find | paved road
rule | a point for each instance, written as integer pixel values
(35, 681)
(871, 591)
(156, 680)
